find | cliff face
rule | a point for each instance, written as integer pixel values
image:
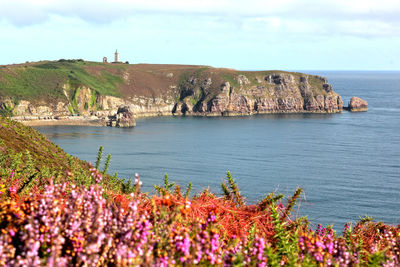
(258, 92)
(357, 104)
(59, 89)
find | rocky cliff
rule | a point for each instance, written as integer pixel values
(357, 104)
(57, 90)
(248, 93)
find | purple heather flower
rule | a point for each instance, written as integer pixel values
(13, 189)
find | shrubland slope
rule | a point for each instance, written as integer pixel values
(29, 161)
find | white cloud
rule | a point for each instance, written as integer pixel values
(352, 17)
(252, 8)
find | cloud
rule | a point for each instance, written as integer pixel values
(351, 17)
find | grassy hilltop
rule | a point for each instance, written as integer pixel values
(43, 81)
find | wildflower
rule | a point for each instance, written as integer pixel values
(13, 189)
(187, 204)
(12, 232)
(2, 189)
(183, 246)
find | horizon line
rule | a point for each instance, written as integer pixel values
(289, 70)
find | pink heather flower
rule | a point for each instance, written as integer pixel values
(164, 262)
(318, 256)
(13, 189)
(260, 245)
(12, 233)
(211, 218)
(319, 244)
(329, 246)
(198, 258)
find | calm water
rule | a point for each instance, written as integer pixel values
(348, 164)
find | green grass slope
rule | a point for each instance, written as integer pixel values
(28, 161)
(46, 81)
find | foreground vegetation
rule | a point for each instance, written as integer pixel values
(56, 210)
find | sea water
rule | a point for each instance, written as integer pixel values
(348, 164)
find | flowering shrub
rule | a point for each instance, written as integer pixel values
(55, 210)
(66, 225)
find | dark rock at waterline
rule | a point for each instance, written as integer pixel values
(124, 118)
(357, 104)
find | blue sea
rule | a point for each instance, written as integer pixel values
(348, 164)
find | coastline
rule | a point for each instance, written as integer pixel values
(101, 122)
(72, 121)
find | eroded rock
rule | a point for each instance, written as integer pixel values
(242, 80)
(279, 79)
(357, 105)
(327, 87)
(124, 118)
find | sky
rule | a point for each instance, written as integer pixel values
(244, 35)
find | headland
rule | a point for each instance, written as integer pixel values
(77, 92)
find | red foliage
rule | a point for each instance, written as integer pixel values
(121, 201)
(233, 220)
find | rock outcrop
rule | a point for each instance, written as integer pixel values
(124, 118)
(28, 110)
(273, 93)
(357, 104)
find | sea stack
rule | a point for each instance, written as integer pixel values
(357, 105)
(124, 118)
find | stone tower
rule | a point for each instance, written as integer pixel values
(116, 56)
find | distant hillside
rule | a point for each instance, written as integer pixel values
(47, 80)
(66, 87)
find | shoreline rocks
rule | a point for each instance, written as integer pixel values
(61, 121)
(123, 119)
(357, 104)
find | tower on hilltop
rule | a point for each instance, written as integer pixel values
(116, 59)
